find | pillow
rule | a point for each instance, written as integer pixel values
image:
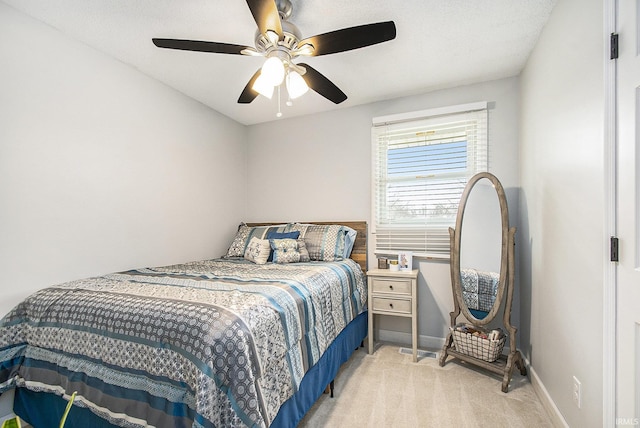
(285, 250)
(258, 251)
(281, 235)
(244, 235)
(272, 234)
(349, 240)
(302, 249)
(324, 242)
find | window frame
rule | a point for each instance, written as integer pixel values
(433, 238)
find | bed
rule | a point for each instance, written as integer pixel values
(235, 341)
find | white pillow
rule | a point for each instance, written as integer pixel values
(258, 251)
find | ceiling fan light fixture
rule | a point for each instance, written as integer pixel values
(296, 86)
(263, 87)
(273, 71)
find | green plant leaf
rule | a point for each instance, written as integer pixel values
(12, 423)
(66, 411)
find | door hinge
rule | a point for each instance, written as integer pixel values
(613, 46)
(614, 249)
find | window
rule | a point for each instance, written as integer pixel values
(421, 164)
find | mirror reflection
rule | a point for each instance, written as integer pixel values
(481, 249)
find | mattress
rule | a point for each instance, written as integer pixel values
(221, 342)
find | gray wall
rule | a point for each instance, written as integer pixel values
(319, 168)
(562, 208)
(102, 168)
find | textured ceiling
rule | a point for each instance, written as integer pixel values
(439, 44)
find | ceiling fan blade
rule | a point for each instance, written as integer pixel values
(265, 13)
(200, 46)
(351, 38)
(316, 81)
(248, 94)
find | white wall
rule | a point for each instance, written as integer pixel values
(319, 167)
(101, 168)
(562, 208)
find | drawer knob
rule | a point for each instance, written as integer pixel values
(391, 287)
(391, 305)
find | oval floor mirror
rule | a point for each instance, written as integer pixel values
(482, 280)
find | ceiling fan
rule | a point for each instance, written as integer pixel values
(280, 42)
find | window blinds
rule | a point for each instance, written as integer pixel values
(420, 168)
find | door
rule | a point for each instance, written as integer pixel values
(628, 270)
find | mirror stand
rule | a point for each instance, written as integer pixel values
(505, 364)
(477, 349)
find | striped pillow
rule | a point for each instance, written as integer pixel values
(244, 235)
(324, 242)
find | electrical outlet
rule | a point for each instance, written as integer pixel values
(577, 392)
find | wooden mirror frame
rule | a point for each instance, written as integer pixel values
(505, 364)
(456, 239)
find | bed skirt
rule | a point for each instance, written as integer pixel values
(322, 373)
(42, 409)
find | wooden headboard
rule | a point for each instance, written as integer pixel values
(359, 252)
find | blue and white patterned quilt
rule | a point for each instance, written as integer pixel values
(479, 289)
(202, 344)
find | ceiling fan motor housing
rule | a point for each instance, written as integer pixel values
(284, 9)
(282, 47)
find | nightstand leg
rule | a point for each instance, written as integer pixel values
(370, 334)
(414, 321)
(414, 336)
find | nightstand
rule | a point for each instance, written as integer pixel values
(394, 293)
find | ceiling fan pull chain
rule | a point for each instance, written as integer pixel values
(279, 114)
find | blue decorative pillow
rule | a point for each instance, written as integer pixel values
(282, 235)
(285, 250)
(273, 234)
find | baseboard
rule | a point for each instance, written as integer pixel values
(552, 410)
(402, 338)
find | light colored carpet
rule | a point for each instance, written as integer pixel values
(387, 389)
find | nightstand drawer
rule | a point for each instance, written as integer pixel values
(392, 305)
(395, 286)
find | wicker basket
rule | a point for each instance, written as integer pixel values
(478, 347)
